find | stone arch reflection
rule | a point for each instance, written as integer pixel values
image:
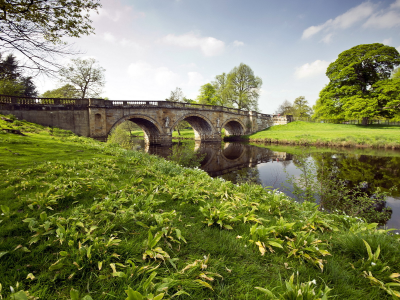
(233, 151)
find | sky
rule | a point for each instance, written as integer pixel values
(150, 47)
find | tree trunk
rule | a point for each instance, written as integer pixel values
(364, 121)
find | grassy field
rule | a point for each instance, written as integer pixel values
(323, 134)
(101, 222)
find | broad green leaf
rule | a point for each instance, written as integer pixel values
(74, 294)
(203, 283)
(21, 295)
(266, 291)
(159, 296)
(133, 295)
(3, 253)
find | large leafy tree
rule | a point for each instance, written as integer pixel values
(34, 28)
(85, 75)
(240, 88)
(12, 80)
(356, 79)
(244, 87)
(301, 108)
(208, 95)
(66, 91)
(286, 108)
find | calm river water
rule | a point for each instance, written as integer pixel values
(272, 165)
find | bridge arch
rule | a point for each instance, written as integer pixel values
(234, 126)
(152, 130)
(202, 126)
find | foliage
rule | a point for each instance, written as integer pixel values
(396, 73)
(239, 88)
(76, 224)
(12, 81)
(208, 95)
(299, 291)
(354, 79)
(66, 91)
(185, 156)
(244, 87)
(176, 95)
(286, 108)
(35, 28)
(301, 108)
(85, 75)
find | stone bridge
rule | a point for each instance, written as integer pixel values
(96, 118)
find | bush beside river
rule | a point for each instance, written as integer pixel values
(81, 219)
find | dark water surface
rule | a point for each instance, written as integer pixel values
(271, 166)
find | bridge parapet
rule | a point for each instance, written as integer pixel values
(97, 117)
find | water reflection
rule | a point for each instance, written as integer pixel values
(271, 166)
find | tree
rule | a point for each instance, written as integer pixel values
(222, 89)
(301, 108)
(396, 73)
(176, 95)
(244, 87)
(34, 28)
(13, 82)
(286, 108)
(66, 91)
(85, 75)
(354, 80)
(208, 95)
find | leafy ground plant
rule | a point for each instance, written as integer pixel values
(82, 222)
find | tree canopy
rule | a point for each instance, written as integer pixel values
(85, 75)
(240, 88)
(356, 79)
(12, 80)
(66, 91)
(34, 28)
(208, 95)
(299, 108)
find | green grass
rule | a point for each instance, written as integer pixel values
(107, 219)
(324, 134)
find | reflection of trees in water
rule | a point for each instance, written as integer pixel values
(244, 175)
(347, 182)
(382, 172)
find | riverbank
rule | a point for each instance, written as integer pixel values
(101, 220)
(329, 135)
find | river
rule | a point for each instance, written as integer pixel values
(273, 165)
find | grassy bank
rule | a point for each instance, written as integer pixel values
(108, 223)
(322, 134)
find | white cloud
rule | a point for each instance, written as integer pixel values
(150, 82)
(328, 38)
(195, 79)
(109, 37)
(384, 19)
(315, 68)
(238, 44)
(343, 21)
(395, 4)
(149, 75)
(387, 41)
(208, 45)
